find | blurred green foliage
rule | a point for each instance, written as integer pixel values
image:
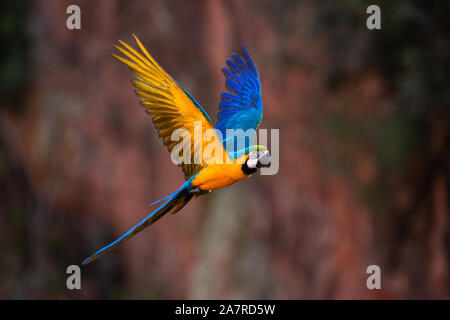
(14, 54)
(412, 54)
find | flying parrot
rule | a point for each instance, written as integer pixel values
(171, 108)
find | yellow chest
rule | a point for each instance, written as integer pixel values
(216, 176)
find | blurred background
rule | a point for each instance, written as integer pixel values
(364, 152)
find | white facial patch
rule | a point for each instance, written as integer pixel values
(251, 163)
(252, 160)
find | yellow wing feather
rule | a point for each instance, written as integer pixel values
(169, 105)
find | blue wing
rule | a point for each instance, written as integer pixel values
(241, 107)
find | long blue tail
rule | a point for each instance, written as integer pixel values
(175, 202)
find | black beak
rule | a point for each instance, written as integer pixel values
(260, 165)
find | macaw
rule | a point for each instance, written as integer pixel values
(171, 107)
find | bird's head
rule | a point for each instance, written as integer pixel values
(257, 157)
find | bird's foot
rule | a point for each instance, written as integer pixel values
(199, 191)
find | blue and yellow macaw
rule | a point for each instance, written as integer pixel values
(172, 107)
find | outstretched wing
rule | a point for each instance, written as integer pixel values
(241, 107)
(170, 106)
